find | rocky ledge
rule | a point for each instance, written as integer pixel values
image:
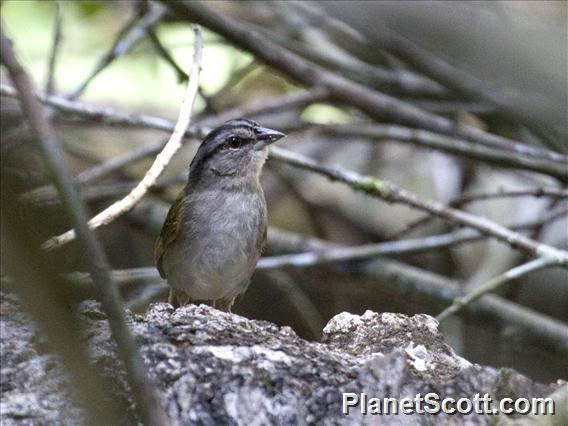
(214, 368)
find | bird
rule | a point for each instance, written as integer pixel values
(215, 231)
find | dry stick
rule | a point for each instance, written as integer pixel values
(469, 198)
(423, 138)
(107, 116)
(267, 106)
(402, 82)
(317, 256)
(277, 103)
(128, 37)
(49, 85)
(390, 193)
(160, 163)
(98, 192)
(163, 52)
(98, 264)
(399, 277)
(453, 106)
(372, 102)
(119, 162)
(366, 184)
(493, 284)
(509, 101)
(451, 145)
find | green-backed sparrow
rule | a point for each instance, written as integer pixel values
(215, 231)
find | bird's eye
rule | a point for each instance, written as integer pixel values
(234, 142)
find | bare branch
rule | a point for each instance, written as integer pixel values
(134, 31)
(98, 264)
(398, 277)
(556, 193)
(160, 163)
(318, 256)
(50, 84)
(181, 74)
(103, 115)
(268, 106)
(451, 145)
(371, 102)
(390, 193)
(495, 283)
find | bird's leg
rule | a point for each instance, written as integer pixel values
(224, 304)
(178, 298)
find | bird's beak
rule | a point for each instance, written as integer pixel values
(265, 137)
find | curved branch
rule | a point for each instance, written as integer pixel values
(493, 284)
(451, 145)
(390, 193)
(373, 103)
(162, 160)
(98, 264)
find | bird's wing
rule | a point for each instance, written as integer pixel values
(169, 231)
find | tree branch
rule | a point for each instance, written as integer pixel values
(493, 284)
(98, 265)
(162, 160)
(556, 193)
(128, 37)
(50, 83)
(390, 193)
(162, 51)
(459, 147)
(376, 104)
(367, 184)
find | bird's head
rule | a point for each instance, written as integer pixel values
(237, 148)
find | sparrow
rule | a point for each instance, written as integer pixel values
(215, 230)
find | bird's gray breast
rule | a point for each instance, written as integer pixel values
(216, 252)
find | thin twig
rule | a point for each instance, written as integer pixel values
(367, 184)
(163, 52)
(134, 31)
(47, 143)
(451, 145)
(48, 196)
(469, 198)
(111, 117)
(160, 163)
(374, 103)
(268, 106)
(53, 54)
(410, 246)
(495, 283)
(390, 193)
(397, 277)
(118, 162)
(107, 116)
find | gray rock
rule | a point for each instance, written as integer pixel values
(213, 368)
